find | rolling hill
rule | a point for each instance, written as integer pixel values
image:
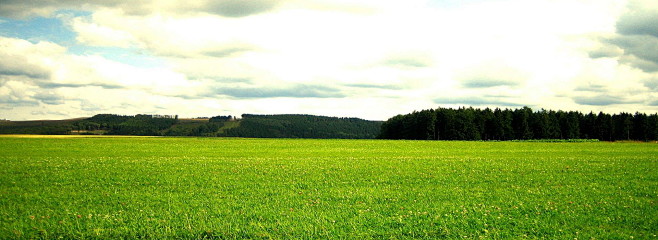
(250, 125)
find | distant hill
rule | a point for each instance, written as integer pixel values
(46, 127)
(250, 125)
(303, 126)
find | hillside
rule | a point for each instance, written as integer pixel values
(46, 127)
(250, 125)
(303, 126)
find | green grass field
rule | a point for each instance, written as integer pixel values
(197, 188)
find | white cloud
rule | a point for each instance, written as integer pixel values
(92, 34)
(491, 74)
(65, 80)
(228, 8)
(16, 93)
(370, 59)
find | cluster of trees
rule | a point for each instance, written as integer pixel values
(519, 124)
(222, 118)
(257, 126)
(303, 126)
(198, 129)
(141, 124)
(431, 124)
(52, 127)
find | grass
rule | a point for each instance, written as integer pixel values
(196, 188)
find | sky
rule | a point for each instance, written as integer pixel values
(371, 59)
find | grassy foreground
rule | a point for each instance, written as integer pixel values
(336, 189)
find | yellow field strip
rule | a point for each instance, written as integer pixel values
(68, 136)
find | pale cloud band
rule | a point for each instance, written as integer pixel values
(370, 59)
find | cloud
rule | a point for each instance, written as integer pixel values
(298, 91)
(227, 50)
(88, 106)
(172, 37)
(409, 60)
(643, 47)
(40, 69)
(20, 66)
(49, 113)
(16, 94)
(602, 100)
(27, 8)
(51, 85)
(238, 8)
(226, 8)
(344, 6)
(370, 58)
(50, 98)
(608, 82)
(478, 101)
(652, 83)
(488, 82)
(93, 34)
(640, 63)
(22, 58)
(591, 88)
(491, 74)
(637, 35)
(606, 51)
(640, 19)
(374, 86)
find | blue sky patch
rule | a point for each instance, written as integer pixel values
(38, 29)
(57, 31)
(130, 56)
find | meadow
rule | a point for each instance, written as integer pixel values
(221, 188)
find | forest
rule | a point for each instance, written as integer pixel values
(140, 125)
(250, 125)
(304, 126)
(431, 124)
(519, 124)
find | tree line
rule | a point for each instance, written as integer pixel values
(519, 124)
(303, 126)
(250, 125)
(46, 127)
(140, 124)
